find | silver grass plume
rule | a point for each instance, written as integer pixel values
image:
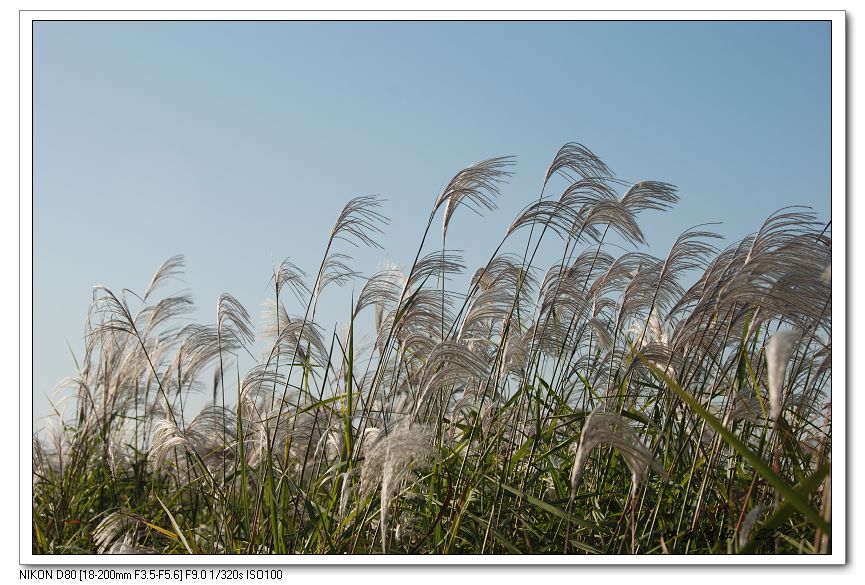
(416, 323)
(617, 217)
(367, 438)
(476, 187)
(618, 274)
(482, 279)
(606, 428)
(779, 349)
(201, 346)
(291, 337)
(382, 290)
(435, 264)
(389, 461)
(589, 203)
(166, 437)
(259, 385)
(646, 195)
(233, 319)
(567, 221)
(587, 191)
(257, 394)
(516, 356)
(358, 223)
(116, 316)
(450, 364)
(165, 310)
(116, 525)
(422, 311)
(345, 491)
(573, 161)
(335, 271)
(127, 546)
(129, 351)
(485, 310)
(562, 291)
(605, 339)
(780, 273)
(171, 268)
(288, 275)
(295, 444)
(655, 285)
(746, 405)
(699, 299)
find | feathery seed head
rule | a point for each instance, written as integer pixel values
(390, 460)
(611, 429)
(476, 187)
(779, 349)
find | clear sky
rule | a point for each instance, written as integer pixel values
(237, 144)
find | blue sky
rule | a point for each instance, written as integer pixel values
(237, 144)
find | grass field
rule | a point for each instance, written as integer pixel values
(598, 405)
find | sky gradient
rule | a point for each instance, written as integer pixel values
(237, 144)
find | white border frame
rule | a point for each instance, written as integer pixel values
(839, 261)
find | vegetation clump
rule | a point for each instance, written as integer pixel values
(603, 405)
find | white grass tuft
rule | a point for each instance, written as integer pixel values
(778, 351)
